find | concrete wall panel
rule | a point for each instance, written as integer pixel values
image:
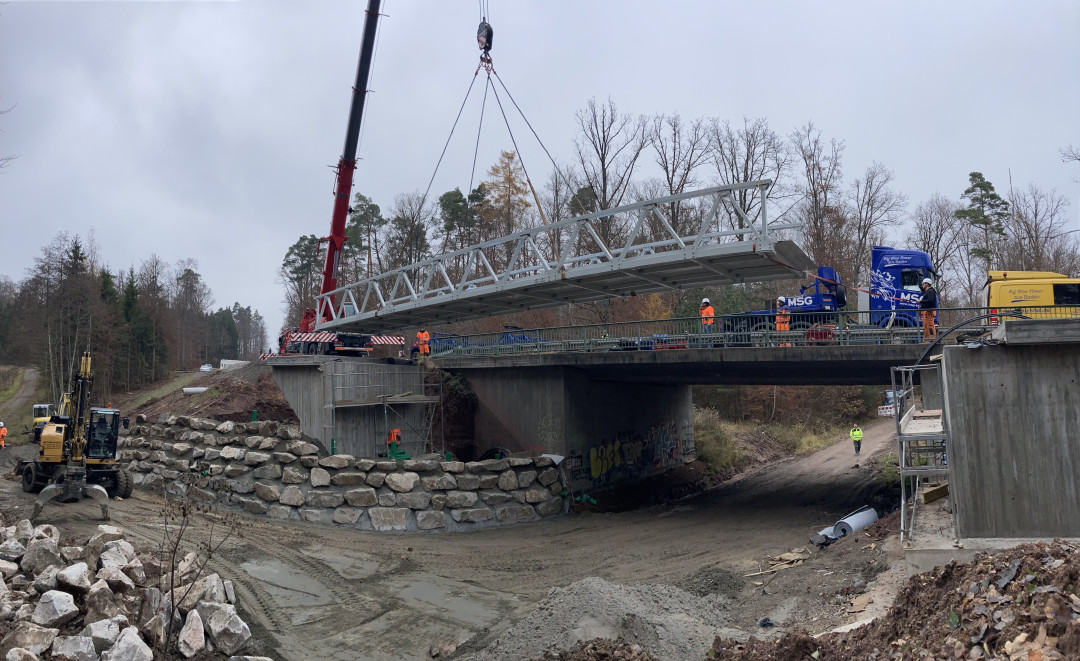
(1014, 417)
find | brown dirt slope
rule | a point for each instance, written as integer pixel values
(230, 395)
(1016, 604)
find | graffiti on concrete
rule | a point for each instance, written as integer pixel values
(627, 455)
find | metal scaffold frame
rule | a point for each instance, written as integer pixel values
(577, 260)
(922, 442)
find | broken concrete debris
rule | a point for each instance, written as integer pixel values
(99, 603)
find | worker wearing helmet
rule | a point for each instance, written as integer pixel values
(423, 341)
(708, 316)
(3, 435)
(856, 438)
(927, 305)
(783, 320)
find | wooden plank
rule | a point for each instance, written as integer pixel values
(935, 493)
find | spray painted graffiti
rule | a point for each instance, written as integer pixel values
(628, 455)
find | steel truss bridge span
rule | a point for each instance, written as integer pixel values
(623, 251)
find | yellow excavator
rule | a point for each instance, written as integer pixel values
(76, 450)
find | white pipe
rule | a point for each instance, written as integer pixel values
(194, 391)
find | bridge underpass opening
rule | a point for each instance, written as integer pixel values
(576, 261)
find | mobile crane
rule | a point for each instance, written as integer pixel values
(304, 339)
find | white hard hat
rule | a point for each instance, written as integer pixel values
(780, 300)
(1, 424)
(704, 300)
(928, 281)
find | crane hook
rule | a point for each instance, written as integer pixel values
(484, 36)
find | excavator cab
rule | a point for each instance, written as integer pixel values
(101, 435)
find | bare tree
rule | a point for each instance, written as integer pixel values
(406, 238)
(936, 231)
(820, 209)
(1037, 238)
(750, 153)
(874, 206)
(4, 160)
(608, 147)
(680, 150)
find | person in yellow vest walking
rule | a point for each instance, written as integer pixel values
(856, 438)
(783, 320)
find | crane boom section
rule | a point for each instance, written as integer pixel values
(347, 164)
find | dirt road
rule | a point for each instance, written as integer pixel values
(318, 592)
(21, 400)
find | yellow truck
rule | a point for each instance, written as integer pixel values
(1035, 294)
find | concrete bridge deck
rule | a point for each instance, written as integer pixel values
(810, 365)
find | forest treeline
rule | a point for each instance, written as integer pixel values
(140, 324)
(843, 210)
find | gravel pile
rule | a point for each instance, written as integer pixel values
(664, 621)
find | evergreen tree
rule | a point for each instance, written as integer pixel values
(987, 212)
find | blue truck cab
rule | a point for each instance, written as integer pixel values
(895, 276)
(826, 295)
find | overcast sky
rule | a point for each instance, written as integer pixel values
(206, 130)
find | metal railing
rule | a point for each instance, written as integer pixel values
(844, 328)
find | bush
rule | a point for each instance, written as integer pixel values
(715, 446)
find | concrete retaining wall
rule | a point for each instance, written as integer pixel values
(272, 470)
(1014, 418)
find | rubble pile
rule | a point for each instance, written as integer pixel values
(1021, 603)
(102, 601)
(599, 650)
(271, 469)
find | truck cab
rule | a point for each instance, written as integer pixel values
(895, 276)
(1034, 294)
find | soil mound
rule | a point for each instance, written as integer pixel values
(230, 395)
(663, 620)
(1017, 604)
(600, 650)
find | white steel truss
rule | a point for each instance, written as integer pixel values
(623, 251)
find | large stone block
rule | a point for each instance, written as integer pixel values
(547, 476)
(180, 449)
(543, 462)
(302, 448)
(54, 609)
(28, 636)
(74, 648)
(255, 458)
(365, 464)
(347, 515)
(402, 482)
(269, 492)
(231, 452)
(234, 470)
(294, 475)
(452, 466)
(514, 513)
(253, 441)
(420, 465)
(348, 479)
(268, 472)
(291, 495)
(337, 461)
(536, 495)
(489, 481)
(387, 498)
(241, 486)
(388, 518)
(363, 497)
(324, 498)
(430, 520)
(438, 501)
(508, 480)
(468, 482)
(309, 461)
(279, 512)
(376, 478)
(478, 515)
(440, 482)
(253, 505)
(316, 514)
(387, 465)
(211, 454)
(419, 500)
(525, 478)
(519, 462)
(284, 457)
(494, 497)
(460, 499)
(550, 507)
(319, 477)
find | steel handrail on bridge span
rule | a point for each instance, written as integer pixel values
(621, 251)
(806, 329)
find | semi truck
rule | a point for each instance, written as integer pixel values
(891, 302)
(1032, 293)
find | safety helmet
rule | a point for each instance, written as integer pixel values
(928, 281)
(1, 424)
(704, 301)
(780, 300)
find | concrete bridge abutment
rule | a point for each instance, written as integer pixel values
(609, 431)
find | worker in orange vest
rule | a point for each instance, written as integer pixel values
(708, 316)
(783, 319)
(3, 435)
(423, 341)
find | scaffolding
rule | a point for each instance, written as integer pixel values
(379, 398)
(921, 437)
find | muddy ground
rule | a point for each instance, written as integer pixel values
(318, 592)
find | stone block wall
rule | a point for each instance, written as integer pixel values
(270, 469)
